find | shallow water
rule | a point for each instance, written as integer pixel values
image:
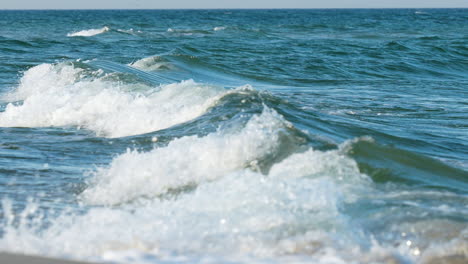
(235, 136)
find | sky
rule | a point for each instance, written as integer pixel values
(189, 4)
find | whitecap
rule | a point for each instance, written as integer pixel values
(185, 161)
(235, 212)
(63, 95)
(293, 213)
(88, 32)
(153, 63)
(130, 31)
(219, 28)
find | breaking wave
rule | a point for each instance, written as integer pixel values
(220, 194)
(88, 32)
(66, 95)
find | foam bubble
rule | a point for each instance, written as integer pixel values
(63, 95)
(88, 32)
(219, 28)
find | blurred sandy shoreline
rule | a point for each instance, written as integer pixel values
(11, 258)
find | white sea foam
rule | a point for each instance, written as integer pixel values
(88, 32)
(185, 161)
(62, 95)
(292, 213)
(219, 28)
(235, 211)
(193, 160)
(222, 206)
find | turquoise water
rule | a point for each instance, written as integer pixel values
(235, 136)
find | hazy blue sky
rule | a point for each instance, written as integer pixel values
(162, 4)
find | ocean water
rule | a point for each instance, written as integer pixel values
(235, 136)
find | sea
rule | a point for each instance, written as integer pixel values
(235, 136)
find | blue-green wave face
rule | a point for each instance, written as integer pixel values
(235, 136)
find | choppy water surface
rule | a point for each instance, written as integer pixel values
(229, 136)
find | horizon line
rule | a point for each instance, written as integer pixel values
(240, 8)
